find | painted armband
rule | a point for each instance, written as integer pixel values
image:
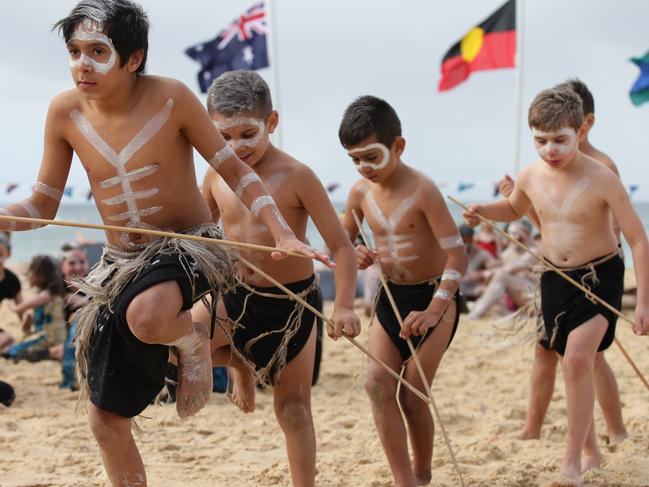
(221, 156)
(452, 242)
(24, 209)
(452, 275)
(443, 295)
(261, 202)
(246, 181)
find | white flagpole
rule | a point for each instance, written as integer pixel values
(519, 84)
(273, 60)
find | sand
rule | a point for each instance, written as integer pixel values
(481, 391)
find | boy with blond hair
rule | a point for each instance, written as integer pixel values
(575, 197)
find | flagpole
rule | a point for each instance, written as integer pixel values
(519, 84)
(274, 66)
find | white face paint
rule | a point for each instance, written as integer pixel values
(133, 215)
(91, 31)
(240, 122)
(377, 166)
(552, 150)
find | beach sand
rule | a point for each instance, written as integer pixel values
(480, 390)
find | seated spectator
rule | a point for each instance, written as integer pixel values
(44, 328)
(9, 285)
(477, 273)
(515, 279)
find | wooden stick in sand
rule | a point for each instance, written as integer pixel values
(588, 292)
(413, 352)
(146, 231)
(297, 298)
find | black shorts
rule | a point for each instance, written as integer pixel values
(257, 315)
(570, 308)
(409, 297)
(124, 374)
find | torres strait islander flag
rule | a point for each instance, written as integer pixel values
(489, 45)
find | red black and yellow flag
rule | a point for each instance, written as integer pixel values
(489, 45)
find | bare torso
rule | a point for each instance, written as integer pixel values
(140, 164)
(575, 218)
(281, 176)
(408, 249)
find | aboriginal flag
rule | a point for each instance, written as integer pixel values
(489, 45)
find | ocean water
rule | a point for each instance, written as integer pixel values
(49, 240)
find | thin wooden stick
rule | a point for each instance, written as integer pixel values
(146, 231)
(413, 352)
(554, 268)
(304, 303)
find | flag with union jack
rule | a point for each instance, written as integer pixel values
(241, 45)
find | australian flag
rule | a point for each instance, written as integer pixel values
(241, 45)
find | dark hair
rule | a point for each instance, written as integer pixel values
(555, 109)
(579, 87)
(49, 275)
(239, 92)
(125, 23)
(367, 116)
(466, 230)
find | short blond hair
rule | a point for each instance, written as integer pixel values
(555, 109)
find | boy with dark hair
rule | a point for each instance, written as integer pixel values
(423, 256)
(134, 135)
(574, 197)
(543, 372)
(267, 333)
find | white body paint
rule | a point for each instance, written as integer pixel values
(221, 156)
(562, 150)
(91, 31)
(392, 243)
(134, 214)
(565, 234)
(443, 294)
(246, 181)
(452, 275)
(451, 242)
(259, 202)
(53, 193)
(7, 212)
(242, 121)
(376, 166)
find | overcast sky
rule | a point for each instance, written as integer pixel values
(331, 52)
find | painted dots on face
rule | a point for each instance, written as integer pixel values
(374, 156)
(555, 144)
(246, 126)
(102, 48)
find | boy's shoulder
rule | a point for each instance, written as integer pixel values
(604, 159)
(287, 165)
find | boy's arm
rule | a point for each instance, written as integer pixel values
(52, 176)
(206, 189)
(633, 230)
(203, 135)
(506, 188)
(448, 236)
(317, 204)
(364, 256)
(504, 210)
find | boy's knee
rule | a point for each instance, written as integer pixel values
(544, 356)
(151, 309)
(412, 405)
(108, 428)
(577, 364)
(379, 389)
(293, 413)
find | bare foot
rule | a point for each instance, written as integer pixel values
(568, 477)
(591, 461)
(194, 371)
(423, 480)
(615, 439)
(243, 390)
(527, 435)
